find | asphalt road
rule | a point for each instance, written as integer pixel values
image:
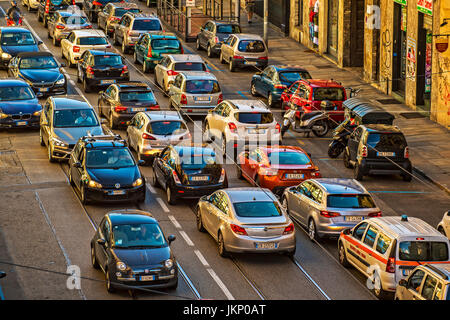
(44, 224)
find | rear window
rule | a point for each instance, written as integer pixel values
(165, 128)
(107, 60)
(202, 86)
(386, 140)
(350, 201)
(147, 25)
(251, 46)
(85, 41)
(197, 161)
(121, 11)
(76, 20)
(257, 209)
(292, 76)
(137, 96)
(333, 94)
(254, 117)
(228, 28)
(189, 66)
(423, 251)
(162, 44)
(288, 158)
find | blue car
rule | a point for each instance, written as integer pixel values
(19, 106)
(14, 41)
(274, 80)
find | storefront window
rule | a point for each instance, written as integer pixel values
(333, 15)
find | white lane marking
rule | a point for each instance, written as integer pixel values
(162, 204)
(151, 189)
(221, 284)
(201, 258)
(187, 239)
(175, 222)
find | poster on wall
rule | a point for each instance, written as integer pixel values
(428, 63)
(425, 6)
(411, 58)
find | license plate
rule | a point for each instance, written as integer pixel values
(117, 192)
(251, 63)
(266, 245)
(386, 154)
(43, 89)
(107, 81)
(204, 178)
(147, 278)
(256, 131)
(353, 218)
(294, 176)
(202, 98)
(21, 123)
(137, 109)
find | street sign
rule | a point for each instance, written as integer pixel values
(190, 3)
(441, 44)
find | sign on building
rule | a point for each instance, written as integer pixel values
(425, 6)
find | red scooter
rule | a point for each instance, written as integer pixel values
(12, 23)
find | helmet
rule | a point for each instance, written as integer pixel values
(13, 3)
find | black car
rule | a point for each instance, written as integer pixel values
(120, 102)
(101, 68)
(54, 5)
(93, 7)
(188, 172)
(102, 168)
(131, 249)
(41, 71)
(378, 149)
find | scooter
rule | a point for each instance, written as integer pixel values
(12, 23)
(340, 139)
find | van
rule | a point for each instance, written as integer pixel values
(387, 249)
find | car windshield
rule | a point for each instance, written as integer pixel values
(386, 140)
(251, 46)
(257, 209)
(74, 118)
(74, 20)
(333, 94)
(137, 96)
(165, 128)
(287, 158)
(189, 66)
(38, 63)
(138, 235)
(423, 251)
(109, 158)
(17, 39)
(147, 25)
(161, 44)
(87, 41)
(197, 159)
(121, 11)
(292, 76)
(228, 28)
(16, 93)
(350, 201)
(107, 60)
(254, 117)
(202, 86)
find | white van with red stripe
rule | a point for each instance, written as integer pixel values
(387, 249)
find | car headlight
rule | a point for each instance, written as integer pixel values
(3, 115)
(137, 183)
(94, 184)
(168, 263)
(61, 81)
(6, 55)
(58, 142)
(37, 113)
(121, 266)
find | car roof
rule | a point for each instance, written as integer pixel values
(103, 53)
(162, 35)
(249, 105)
(14, 29)
(281, 148)
(193, 149)
(411, 228)
(143, 15)
(68, 13)
(288, 67)
(35, 54)
(133, 85)
(340, 185)
(163, 115)
(70, 102)
(219, 22)
(186, 57)
(130, 5)
(13, 82)
(379, 128)
(246, 194)
(103, 141)
(89, 33)
(315, 83)
(199, 75)
(248, 36)
(130, 216)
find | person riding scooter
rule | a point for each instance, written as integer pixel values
(14, 16)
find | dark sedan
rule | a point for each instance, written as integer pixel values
(131, 249)
(41, 71)
(188, 172)
(14, 41)
(213, 34)
(19, 106)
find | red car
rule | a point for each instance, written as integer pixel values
(276, 167)
(308, 94)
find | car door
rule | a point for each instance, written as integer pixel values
(46, 122)
(13, 67)
(102, 250)
(138, 130)
(52, 20)
(312, 203)
(366, 254)
(227, 48)
(266, 81)
(208, 211)
(353, 143)
(299, 203)
(66, 44)
(214, 118)
(208, 34)
(160, 70)
(160, 167)
(220, 213)
(414, 285)
(131, 131)
(121, 27)
(111, 100)
(140, 46)
(351, 246)
(251, 166)
(428, 287)
(103, 15)
(78, 173)
(175, 90)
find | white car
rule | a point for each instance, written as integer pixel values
(30, 4)
(171, 65)
(78, 41)
(444, 226)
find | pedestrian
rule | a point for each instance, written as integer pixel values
(249, 7)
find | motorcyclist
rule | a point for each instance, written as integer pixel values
(14, 13)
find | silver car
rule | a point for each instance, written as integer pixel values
(61, 23)
(150, 132)
(195, 92)
(246, 220)
(329, 205)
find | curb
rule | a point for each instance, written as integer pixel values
(436, 183)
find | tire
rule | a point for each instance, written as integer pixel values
(41, 139)
(199, 221)
(253, 91)
(155, 182)
(109, 286)
(49, 153)
(224, 145)
(335, 149)
(56, 43)
(379, 292)
(197, 45)
(70, 179)
(78, 76)
(39, 17)
(231, 66)
(312, 230)
(48, 34)
(135, 58)
(94, 261)
(84, 201)
(174, 286)
(115, 41)
(357, 173)
(124, 47)
(239, 172)
(342, 256)
(270, 100)
(209, 52)
(407, 176)
(222, 61)
(325, 129)
(221, 246)
(145, 69)
(347, 163)
(111, 121)
(170, 197)
(86, 87)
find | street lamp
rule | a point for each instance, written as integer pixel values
(445, 22)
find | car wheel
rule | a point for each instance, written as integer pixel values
(48, 34)
(441, 230)
(94, 259)
(55, 42)
(221, 246)
(124, 47)
(112, 125)
(253, 90)
(41, 138)
(231, 66)
(312, 232)
(342, 256)
(135, 58)
(197, 45)
(86, 87)
(209, 52)
(144, 67)
(357, 173)
(109, 286)
(115, 41)
(155, 182)
(270, 100)
(377, 287)
(50, 153)
(239, 172)
(70, 178)
(78, 76)
(284, 204)
(222, 61)
(347, 163)
(199, 221)
(224, 145)
(170, 196)
(39, 18)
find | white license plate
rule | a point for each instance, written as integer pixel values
(294, 176)
(107, 81)
(43, 89)
(266, 245)
(353, 218)
(385, 154)
(202, 98)
(205, 178)
(137, 109)
(250, 63)
(117, 192)
(147, 278)
(256, 131)
(21, 123)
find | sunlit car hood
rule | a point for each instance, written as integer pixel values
(14, 50)
(108, 176)
(41, 75)
(24, 106)
(143, 257)
(71, 135)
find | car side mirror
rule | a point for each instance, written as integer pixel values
(347, 231)
(63, 65)
(77, 165)
(171, 238)
(40, 42)
(2, 274)
(101, 241)
(141, 162)
(103, 121)
(403, 283)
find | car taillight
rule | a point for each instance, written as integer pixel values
(238, 57)
(96, 3)
(124, 69)
(114, 19)
(88, 27)
(375, 214)
(76, 49)
(232, 127)
(149, 53)
(120, 108)
(183, 99)
(390, 265)
(329, 214)
(280, 86)
(277, 127)
(154, 107)
(364, 151)
(216, 39)
(238, 230)
(222, 176)
(171, 73)
(146, 136)
(316, 174)
(220, 99)
(89, 70)
(182, 50)
(406, 153)
(175, 177)
(60, 26)
(263, 58)
(289, 229)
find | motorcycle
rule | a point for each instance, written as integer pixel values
(12, 23)
(340, 139)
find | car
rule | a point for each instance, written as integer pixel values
(243, 50)
(30, 4)
(326, 206)
(273, 80)
(151, 131)
(61, 23)
(14, 40)
(63, 121)
(378, 149)
(48, 7)
(387, 249)
(426, 282)
(444, 225)
(19, 106)
(79, 41)
(249, 220)
(276, 167)
(150, 48)
(188, 171)
(213, 34)
(93, 7)
(172, 64)
(238, 123)
(102, 169)
(195, 92)
(121, 101)
(118, 248)
(41, 71)
(111, 14)
(97, 69)
(131, 26)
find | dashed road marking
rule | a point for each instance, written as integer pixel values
(162, 204)
(221, 284)
(175, 222)
(151, 189)
(187, 239)
(201, 258)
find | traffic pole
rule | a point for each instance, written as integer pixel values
(266, 22)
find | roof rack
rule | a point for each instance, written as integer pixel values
(113, 138)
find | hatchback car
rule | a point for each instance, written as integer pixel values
(151, 48)
(378, 149)
(111, 14)
(47, 7)
(243, 50)
(93, 7)
(329, 205)
(19, 106)
(276, 167)
(246, 220)
(444, 225)
(213, 34)
(195, 92)
(188, 172)
(150, 132)
(120, 102)
(41, 70)
(132, 250)
(61, 23)
(63, 121)
(172, 64)
(30, 4)
(97, 69)
(102, 168)
(15, 40)
(272, 81)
